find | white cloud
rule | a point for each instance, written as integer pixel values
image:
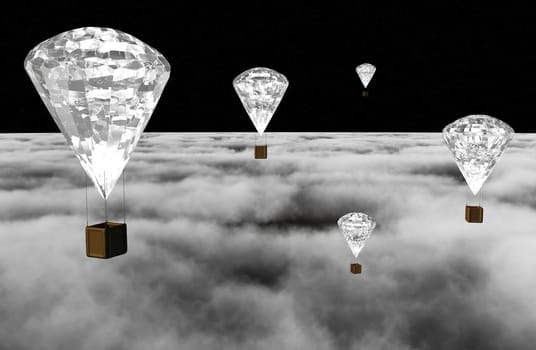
(230, 252)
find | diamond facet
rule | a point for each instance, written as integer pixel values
(356, 228)
(365, 72)
(101, 86)
(260, 90)
(477, 142)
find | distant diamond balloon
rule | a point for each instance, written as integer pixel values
(356, 228)
(101, 86)
(365, 72)
(477, 142)
(260, 90)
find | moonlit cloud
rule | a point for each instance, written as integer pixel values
(228, 252)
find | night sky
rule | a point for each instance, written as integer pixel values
(435, 63)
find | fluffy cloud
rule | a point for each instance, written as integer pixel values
(226, 252)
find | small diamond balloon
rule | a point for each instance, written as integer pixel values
(365, 72)
(260, 90)
(101, 86)
(477, 142)
(356, 228)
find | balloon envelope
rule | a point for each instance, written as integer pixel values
(477, 142)
(101, 86)
(356, 229)
(260, 90)
(365, 72)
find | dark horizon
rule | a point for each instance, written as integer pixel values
(435, 63)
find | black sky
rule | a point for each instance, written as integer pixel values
(436, 63)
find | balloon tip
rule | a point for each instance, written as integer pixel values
(355, 268)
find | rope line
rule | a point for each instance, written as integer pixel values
(124, 209)
(265, 139)
(105, 200)
(87, 210)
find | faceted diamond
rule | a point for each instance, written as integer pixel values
(101, 86)
(365, 72)
(260, 90)
(477, 142)
(356, 228)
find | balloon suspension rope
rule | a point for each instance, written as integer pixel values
(265, 139)
(105, 201)
(87, 210)
(124, 209)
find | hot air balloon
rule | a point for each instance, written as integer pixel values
(356, 228)
(477, 142)
(365, 72)
(260, 90)
(101, 87)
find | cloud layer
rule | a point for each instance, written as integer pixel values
(228, 252)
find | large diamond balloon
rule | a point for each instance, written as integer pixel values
(101, 86)
(356, 228)
(260, 90)
(365, 72)
(477, 142)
